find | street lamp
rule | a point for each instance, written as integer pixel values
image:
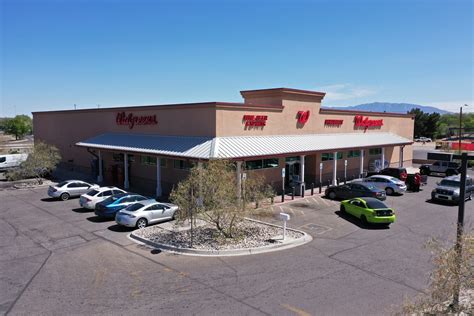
(460, 127)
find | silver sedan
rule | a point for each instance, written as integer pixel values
(66, 189)
(390, 184)
(144, 213)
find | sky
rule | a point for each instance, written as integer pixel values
(57, 54)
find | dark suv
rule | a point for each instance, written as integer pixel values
(399, 173)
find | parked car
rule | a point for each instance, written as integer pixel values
(390, 184)
(351, 190)
(447, 167)
(91, 198)
(144, 213)
(423, 139)
(369, 210)
(11, 161)
(111, 205)
(66, 189)
(396, 172)
(449, 189)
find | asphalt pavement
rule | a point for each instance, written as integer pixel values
(57, 258)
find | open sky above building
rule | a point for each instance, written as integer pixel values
(105, 53)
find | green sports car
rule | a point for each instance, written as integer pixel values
(369, 210)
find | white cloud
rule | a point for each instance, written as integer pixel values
(453, 106)
(345, 91)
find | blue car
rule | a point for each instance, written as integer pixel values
(108, 207)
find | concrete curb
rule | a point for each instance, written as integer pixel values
(232, 252)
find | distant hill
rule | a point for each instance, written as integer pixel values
(391, 107)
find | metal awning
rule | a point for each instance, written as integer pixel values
(232, 147)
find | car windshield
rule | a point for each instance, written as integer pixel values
(374, 204)
(393, 179)
(449, 183)
(92, 192)
(61, 184)
(134, 207)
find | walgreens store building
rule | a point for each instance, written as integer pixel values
(151, 148)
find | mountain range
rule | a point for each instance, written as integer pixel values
(391, 107)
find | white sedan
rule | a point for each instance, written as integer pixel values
(66, 189)
(91, 198)
(143, 213)
(390, 184)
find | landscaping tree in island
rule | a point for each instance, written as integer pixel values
(19, 126)
(210, 194)
(41, 161)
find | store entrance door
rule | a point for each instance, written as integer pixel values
(292, 171)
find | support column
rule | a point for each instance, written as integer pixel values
(362, 154)
(383, 158)
(239, 179)
(401, 156)
(100, 177)
(301, 173)
(158, 177)
(125, 171)
(334, 171)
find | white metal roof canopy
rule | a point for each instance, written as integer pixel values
(233, 147)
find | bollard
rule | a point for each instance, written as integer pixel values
(312, 188)
(292, 193)
(282, 196)
(272, 199)
(302, 190)
(337, 181)
(345, 180)
(320, 187)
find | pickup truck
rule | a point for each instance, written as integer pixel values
(447, 167)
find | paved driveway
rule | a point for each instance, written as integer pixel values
(57, 258)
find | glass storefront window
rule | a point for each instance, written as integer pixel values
(261, 164)
(353, 153)
(375, 151)
(330, 156)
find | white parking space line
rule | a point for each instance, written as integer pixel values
(324, 201)
(315, 200)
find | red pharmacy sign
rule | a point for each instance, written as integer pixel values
(131, 120)
(255, 120)
(361, 121)
(303, 116)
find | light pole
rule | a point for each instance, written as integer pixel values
(460, 128)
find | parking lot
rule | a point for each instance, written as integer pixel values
(57, 258)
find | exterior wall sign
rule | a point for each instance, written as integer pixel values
(361, 121)
(255, 120)
(333, 122)
(131, 120)
(303, 116)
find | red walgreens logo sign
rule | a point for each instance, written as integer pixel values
(132, 120)
(303, 117)
(361, 121)
(255, 120)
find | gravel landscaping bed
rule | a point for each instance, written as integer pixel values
(251, 235)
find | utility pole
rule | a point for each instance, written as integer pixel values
(460, 228)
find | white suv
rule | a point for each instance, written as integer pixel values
(90, 199)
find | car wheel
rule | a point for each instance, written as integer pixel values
(141, 223)
(364, 221)
(64, 196)
(332, 195)
(343, 209)
(389, 191)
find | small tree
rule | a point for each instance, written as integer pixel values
(41, 161)
(210, 193)
(19, 126)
